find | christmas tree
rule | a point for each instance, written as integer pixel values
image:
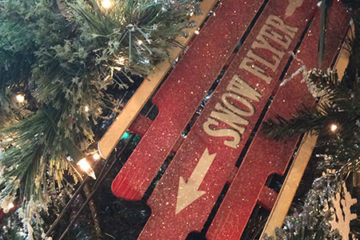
(64, 67)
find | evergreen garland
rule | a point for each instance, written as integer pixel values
(58, 59)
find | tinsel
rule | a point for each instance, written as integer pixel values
(63, 59)
(311, 221)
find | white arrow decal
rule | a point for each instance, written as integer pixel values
(189, 191)
(293, 5)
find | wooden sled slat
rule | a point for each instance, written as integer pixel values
(266, 156)
(297, 169)
(187, 192)
(182, 92)
(128, 114)
(290, 186)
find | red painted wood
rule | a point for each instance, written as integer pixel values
(178, 144)
(182, 93)
(267, 198)
(140, 125)
(266, 156)
(164, 222)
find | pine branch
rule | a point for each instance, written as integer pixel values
(64, 65)
(341, 108)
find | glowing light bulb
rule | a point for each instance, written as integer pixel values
(139, 42)
(96, 156)
(86, 108)
(7, 204)
(106, 4)
(121, 60)
(333, 127)
(10, 206)
(85, 167)
(20, 98)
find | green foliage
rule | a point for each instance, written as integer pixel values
(340, 107)
(63, 59)
(339, 148)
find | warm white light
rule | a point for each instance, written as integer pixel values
(121, 60)
(7, 205)
(86, 108)
(96, 156)
(20, 98)
(85, 167)
(10, 206)
(106, 4)
(333, 127)
(139, 42)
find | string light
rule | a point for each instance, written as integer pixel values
(86, 108)
(107, 4)
(139, 42)
(121, 60)
(10, 206)
(85, 167)
(333, 127)
(20, 98)
(96, 157)
(7, 204)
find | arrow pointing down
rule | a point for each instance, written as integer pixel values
(189, 191)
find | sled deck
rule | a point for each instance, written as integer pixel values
(210, 161)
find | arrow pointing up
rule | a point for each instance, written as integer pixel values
(189, 191)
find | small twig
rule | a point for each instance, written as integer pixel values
(78, 190)
(93, 212)
(93, 192)
(110, 236)
(56, 222)
(101, 174)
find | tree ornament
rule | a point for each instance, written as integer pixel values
(342, 215)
